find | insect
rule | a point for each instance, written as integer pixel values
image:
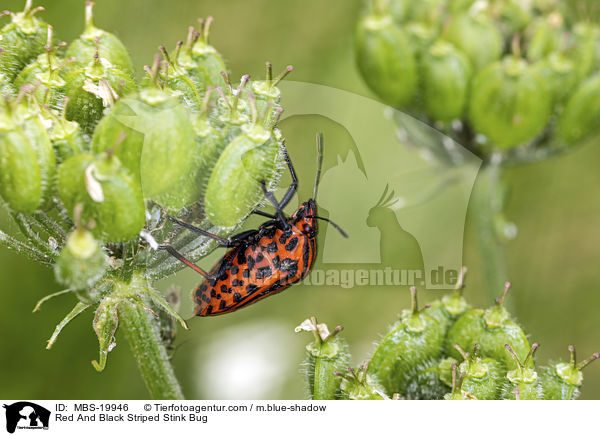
(264, 261)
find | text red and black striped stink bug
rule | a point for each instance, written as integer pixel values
(264, 261)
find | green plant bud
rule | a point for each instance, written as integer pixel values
(20, 174)
(361, 385)
(398, 9)
(509, 103)
(209, 146)
(578, 121)
(66, 136)
(81, 263)
(421, 37)
(206, 57)
(159, 142)
(108, 47)
(177, 79)
(559, 74)
(477, 37)
(234, 187)
(232, 111)
(92, 89)
(266, 91)
(545, 36)
(109, 194)
(458, 393)
(386, 60)
(491, 330)
(483, 376)
(28, 164)
(21, 41)
(428, 11)
(523, 379)
(513, 15)
(447, 310)
(445, 78)
(583, 52)
(36, 133)
(415, 339)
(562, 380)
(106, 321)
(44, 75)
(445, 370)
(327, 355)
(426, 383)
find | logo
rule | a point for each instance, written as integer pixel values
(26, 415)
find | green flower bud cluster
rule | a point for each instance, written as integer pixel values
(93, 162)
(493, 75)
(446, 350)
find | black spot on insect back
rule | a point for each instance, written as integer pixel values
(246, 273)
(291, 244)
(223, 288)
(222, 305)
(260, 258)
(290, 266)
(251, 262)
(237, 297)
(284, 236)
(263, 272)
(213, 294)
(234, 269)
(272, 247)
(235, 282)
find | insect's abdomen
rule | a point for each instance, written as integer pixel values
(251, 273)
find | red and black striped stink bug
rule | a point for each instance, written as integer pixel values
(264, 261)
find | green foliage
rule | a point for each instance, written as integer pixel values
(100, 162)
(513, 65)
(411, 362)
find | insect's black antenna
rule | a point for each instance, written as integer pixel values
(319, 164)
(338, 228)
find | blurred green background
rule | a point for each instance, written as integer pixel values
(553, 263)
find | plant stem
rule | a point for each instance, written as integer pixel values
(145, 342)
(486, 204)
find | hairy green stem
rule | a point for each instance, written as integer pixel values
(141, 330)
(486, 203)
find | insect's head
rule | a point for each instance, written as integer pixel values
(305, 218)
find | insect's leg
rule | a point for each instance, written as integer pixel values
(261, 213)
(273, 200)
(292, 189)
(225, 242)
(177, 255)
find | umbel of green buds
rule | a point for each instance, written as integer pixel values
(325, 356)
